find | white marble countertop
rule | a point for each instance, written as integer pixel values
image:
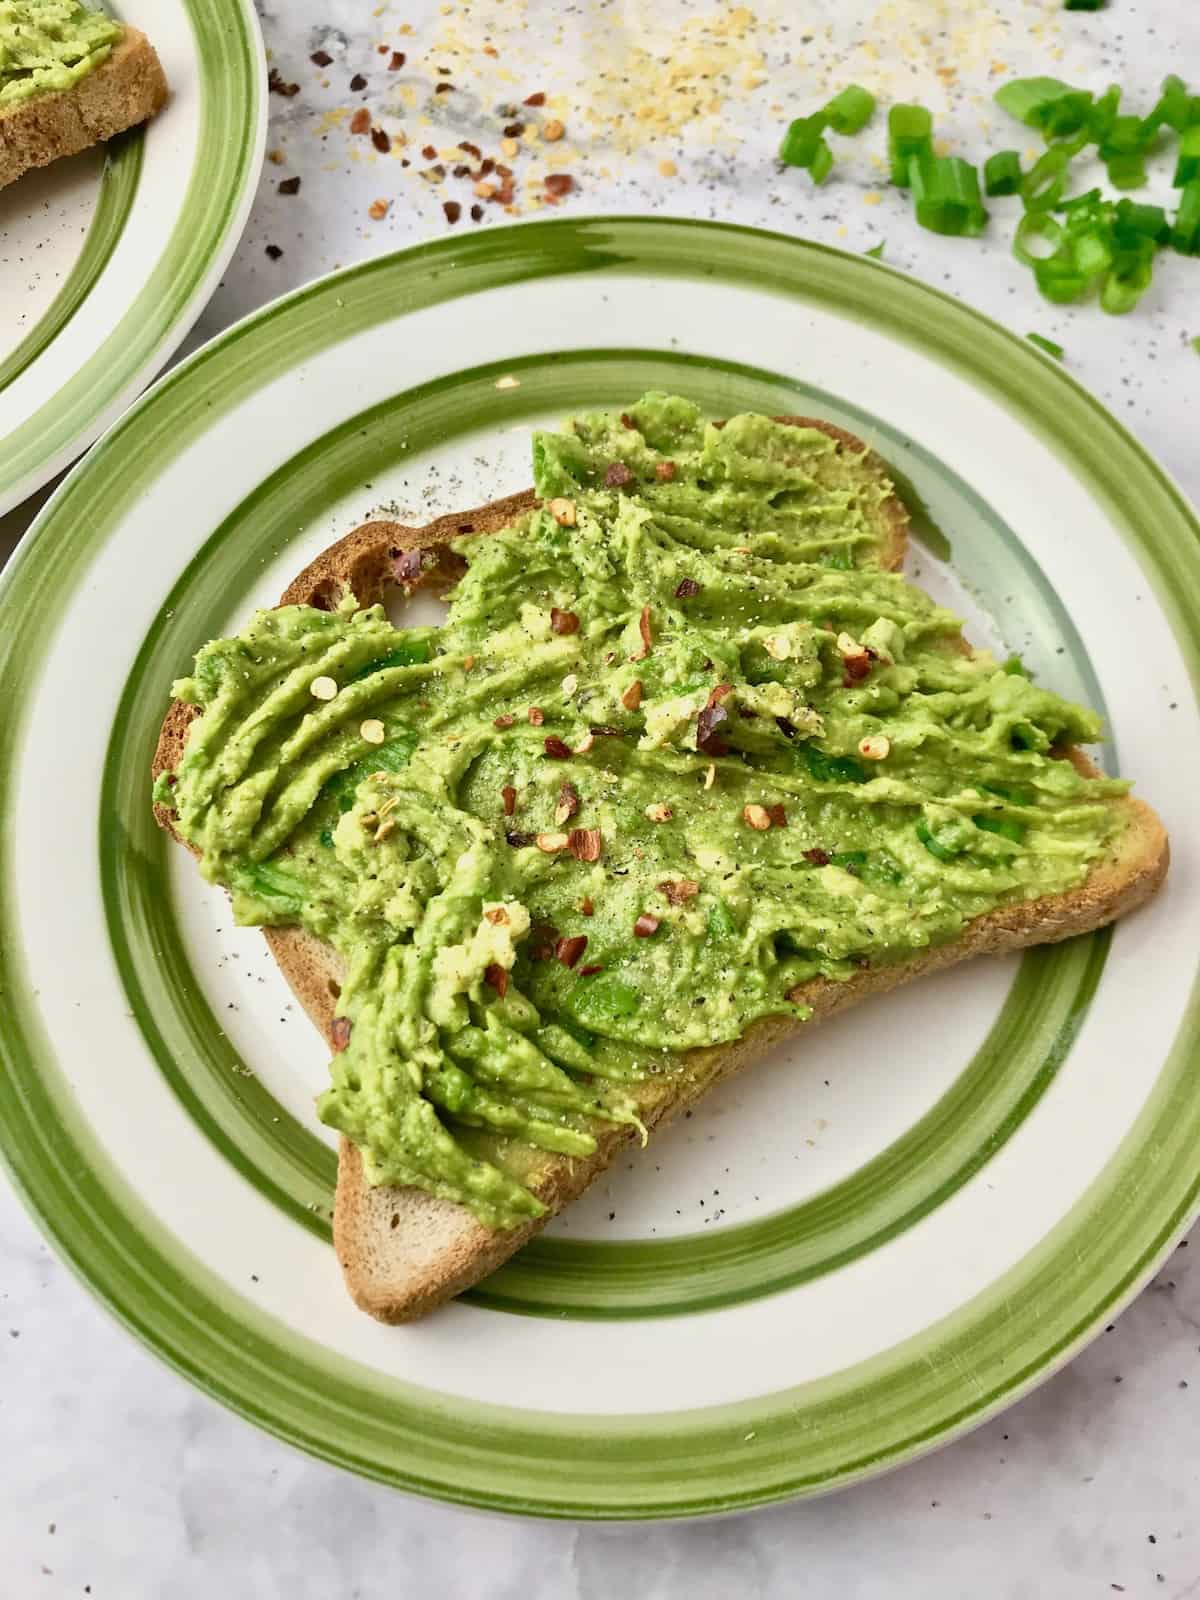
(121, 1482)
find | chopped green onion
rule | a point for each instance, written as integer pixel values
(1002, 173)
(1048, 104)
(934, 845)
(946, 195)
(1185, 232)
(1014, 666)
(1127, 171)
(804, 146)
(910, 133)
(851, 110)
(1006, 827)
(1133, 220)
(1103, 114)
(1126, 134)
(1051, 349)
(1195, 344)
(1129, 279)
(1171, 107)
(1084, 5)
(1037, 225)
(1060, 280)
(1188, 165)
(876, 251)
(1043, 184)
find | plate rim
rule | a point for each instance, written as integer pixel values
(1169, 1221)
(207, 21)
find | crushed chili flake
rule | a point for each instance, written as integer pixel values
(590, 972)
(570, 950)
(443, 88)
(568, 804)
(321, 58)
(471, 149)
(274, 252)
(514, 130)
(397, 61)
(495, 976)
(585, 844)
(381, 140)
(777, 815)
(664, 471)
(632, 697)
(645, 926)
(476, 213)
(509, 796)
(617, 475)
(856, 667)
(340, 1032)
(680, 890)
(818, 857)
(543, 941)
(538, 99)
(707, 723)
(756, 817)
(428, 152)
(452, 210)
(503, 171)
(406, 565)
(558, 184)
(718, 694)
(358, 82)
(536, 715)
(645, 631)
(563, 621)
(276, 85)
(627, 421)
(586, 908)
(686, 588)
(557, 749)
(360, 122)
(289, 186)
(603, 731)
(504, 720)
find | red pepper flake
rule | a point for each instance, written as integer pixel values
(274, 252)
(504, 720)
(381, 140)
(680, 890)
(486, 168)
(585, 844)
(707, 723)
(570, 950)
(321, 58)
(543, 941)
(818, 857)
(601, 731)
(857, 668)
(538, 99)
(452, 209)
(645, 926)
(397, 61)
(289, 186)
(339, 1032)
(536, 715)
(509, 795)
(495, 976)
(617, 476)
(358, 82)
(504, 194)
(719, 693)
(462, 170)
(557, 749)
(777, 815)
(632, 698)
(586, 908)
(568, 804)
(360, 122)
(476, 213)
(428, 152)
(664, 471)
(514, 130)
(627, 421)
(563, 621)
(644, 629)
(558, 184)
(590, 972)
(471, 149)
(276, 85)
(686, 589)
(406, 566)
(443, 88)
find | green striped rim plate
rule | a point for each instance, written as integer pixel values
(870, 1243)
(113, 254)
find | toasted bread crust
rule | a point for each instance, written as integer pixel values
(403, 1252)
(123, 90)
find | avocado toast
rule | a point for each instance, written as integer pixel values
(688, 768)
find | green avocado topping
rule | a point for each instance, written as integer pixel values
(50, 44)
(681, 746)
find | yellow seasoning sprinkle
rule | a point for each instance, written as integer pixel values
(667, 169)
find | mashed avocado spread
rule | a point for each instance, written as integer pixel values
(681, 746)
(49, 44)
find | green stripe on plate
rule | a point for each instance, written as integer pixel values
(283, 1158)
(118, 186)
(230, 90)
(801, 1440)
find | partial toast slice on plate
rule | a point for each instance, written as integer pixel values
(403, 1251)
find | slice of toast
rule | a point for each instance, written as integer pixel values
(402, 1251)
(126, 88)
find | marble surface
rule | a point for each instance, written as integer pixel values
(121, 1481)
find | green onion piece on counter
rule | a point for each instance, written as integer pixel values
(1129, 279)
(1049, 346)
(1037, 226)
(1185, 231)
(1127, 171)
(1084, 5)
(1060, 280)
(910, 133)
(1134, 220)
(1195, 344)
(804, 146)
(1048, 104)
(876, 251)
(851, 110)
(1103, 114)
(1188, 165)
(1043, 184)
(1170, 109)
(1002, 173)
(946, 196)
(1126, 135)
